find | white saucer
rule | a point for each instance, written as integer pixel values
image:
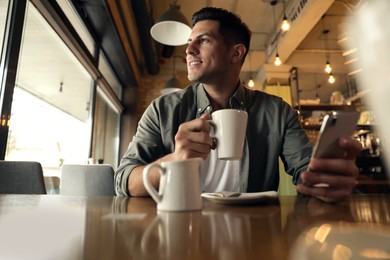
(244, 198)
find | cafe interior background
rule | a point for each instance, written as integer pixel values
(77, 75)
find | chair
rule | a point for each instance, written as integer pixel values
(87, 180)
(21, 177)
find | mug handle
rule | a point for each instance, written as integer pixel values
(147, 236)
(212, 133)
(148, 185)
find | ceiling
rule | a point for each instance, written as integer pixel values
(302, 47)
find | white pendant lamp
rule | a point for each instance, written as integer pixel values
(172, 27)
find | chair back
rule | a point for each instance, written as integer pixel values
(87, 180)
(21, 177)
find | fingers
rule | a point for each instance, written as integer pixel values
(205, 116)
(326, 186)
(328, 194)
(351, 146)
(193, 139)
(197, 141)
(343, 166)
(214, 146)
(328, 180)
(334, 166)
(197, 125)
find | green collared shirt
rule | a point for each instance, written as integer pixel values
(273, 131)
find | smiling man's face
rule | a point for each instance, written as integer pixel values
(208, 57)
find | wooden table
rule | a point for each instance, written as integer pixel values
(66, 227)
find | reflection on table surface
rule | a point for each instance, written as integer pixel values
(293, 227)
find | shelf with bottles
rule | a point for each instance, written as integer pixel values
(324, 107)
(311, 116)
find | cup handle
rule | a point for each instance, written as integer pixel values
(212, 133)
(147, 236)
(148, 185)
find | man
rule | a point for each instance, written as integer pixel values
(175, 126)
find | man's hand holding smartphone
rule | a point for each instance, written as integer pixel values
(332, 172)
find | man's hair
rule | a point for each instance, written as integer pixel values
(231, 26)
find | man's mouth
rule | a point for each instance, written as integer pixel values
(193, 63)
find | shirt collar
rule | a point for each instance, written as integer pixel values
(236, 101)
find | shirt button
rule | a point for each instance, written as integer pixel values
(199, 109)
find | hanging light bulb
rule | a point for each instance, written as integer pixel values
(285, 24)
(331, 78)
(328, 68)
(277, 61)
(251, 83)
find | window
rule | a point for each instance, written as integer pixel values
(106, 132)
(56, 85)
(50, 111)
(105, 69)
(41, 132)
(3, 16)
(78, 25)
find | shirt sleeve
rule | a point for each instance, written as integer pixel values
(144, 148)
(296, 147)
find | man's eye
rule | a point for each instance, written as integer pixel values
(203, 40)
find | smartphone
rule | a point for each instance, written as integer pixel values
(336, 124)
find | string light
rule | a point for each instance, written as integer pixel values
(331, 78)
(277, 61)
(251, 83)
(285, 23)
(328, 68)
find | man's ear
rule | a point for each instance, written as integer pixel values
(239, 53)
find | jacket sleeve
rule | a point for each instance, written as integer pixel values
(144, 148)
(296, 147)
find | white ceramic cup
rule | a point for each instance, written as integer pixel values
(179, 185)
(228, 130)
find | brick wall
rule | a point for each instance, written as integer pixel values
(150, 89)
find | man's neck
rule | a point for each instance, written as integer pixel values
(219, 95)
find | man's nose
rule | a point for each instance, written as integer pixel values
(191, 50)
